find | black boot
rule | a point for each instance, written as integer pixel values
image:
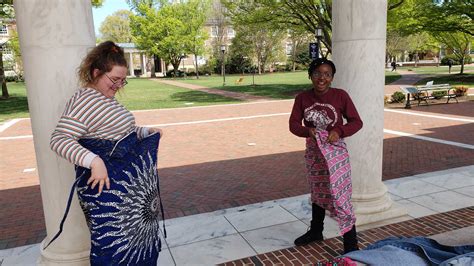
(350, 240)
(315, 233)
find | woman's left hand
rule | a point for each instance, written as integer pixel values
(333, 136)
(156, 130)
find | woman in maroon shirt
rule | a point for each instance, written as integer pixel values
(322, 110)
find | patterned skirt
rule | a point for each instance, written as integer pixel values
(329, 177)
(123, 220)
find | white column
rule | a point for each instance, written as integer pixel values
(130, 66)
(54, 36)
(358, 50)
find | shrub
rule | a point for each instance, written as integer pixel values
(439, 94)
(460, 91)
(455, 60)
(170, 73)
(398, 97)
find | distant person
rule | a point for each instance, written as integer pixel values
(116, 175)
(450, 64)
(318, 116)
(394, 66)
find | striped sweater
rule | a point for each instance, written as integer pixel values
(89, 114)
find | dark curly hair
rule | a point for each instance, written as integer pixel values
(321, 61)
(102, 57)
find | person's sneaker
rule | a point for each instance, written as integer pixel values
(309, 237)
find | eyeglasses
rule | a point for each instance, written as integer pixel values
(325, 75)
(118, 83)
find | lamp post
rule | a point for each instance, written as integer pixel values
(318, 32)
(223, 62)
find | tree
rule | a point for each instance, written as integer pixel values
(167, 31)
(446, 16)
(298, 39)
(7, 13)
(419, 42)
(458, 42)
(116, 27)
(265, 42)
(302, 15)
(195, 15)
(14, 45)
(97, 3)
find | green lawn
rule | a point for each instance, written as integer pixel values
(466, 79)
(391, 77)
(437, 70)
(142, 94)
(17, 105)
(139, 94)
(275, 85)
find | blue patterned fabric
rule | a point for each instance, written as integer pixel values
(124, 220)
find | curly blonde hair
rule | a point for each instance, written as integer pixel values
(102, 57)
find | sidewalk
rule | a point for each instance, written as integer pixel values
(264, 232)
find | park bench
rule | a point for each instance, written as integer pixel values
(239, 81)
(427, 92)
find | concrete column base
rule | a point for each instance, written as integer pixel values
(372, 208)
(48, 258)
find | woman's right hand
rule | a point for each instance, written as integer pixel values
(98, 175)
(312, 132)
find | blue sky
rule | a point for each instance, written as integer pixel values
(109, 7)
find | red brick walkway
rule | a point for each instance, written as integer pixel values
(331, 248)
(210, 166)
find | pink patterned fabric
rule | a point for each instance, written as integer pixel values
(329, 176)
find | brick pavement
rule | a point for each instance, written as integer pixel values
(331, 248)
(231, 171)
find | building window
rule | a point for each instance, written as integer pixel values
(4, 30)
(6, 50)
(214, 31)
(230, 32)
(289, 48)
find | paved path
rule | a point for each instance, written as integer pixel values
(408, 78)
(230, 94)
(215, 157)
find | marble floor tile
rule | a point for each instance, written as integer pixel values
(165, 258)
(468, 191)
(444, 201)
(192, 230)
(412, 188)
(258, 218)
(24, 255)
(451, 180)
(274, 237)
(213, 251)
(300, 207)
(415, 210)
(394, 197)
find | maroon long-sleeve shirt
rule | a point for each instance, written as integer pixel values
(324, 112)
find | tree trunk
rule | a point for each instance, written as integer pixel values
(416, 59)
(152, 69)
(175, 64)
(462, 65)
(5, 94)
(197, 69)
